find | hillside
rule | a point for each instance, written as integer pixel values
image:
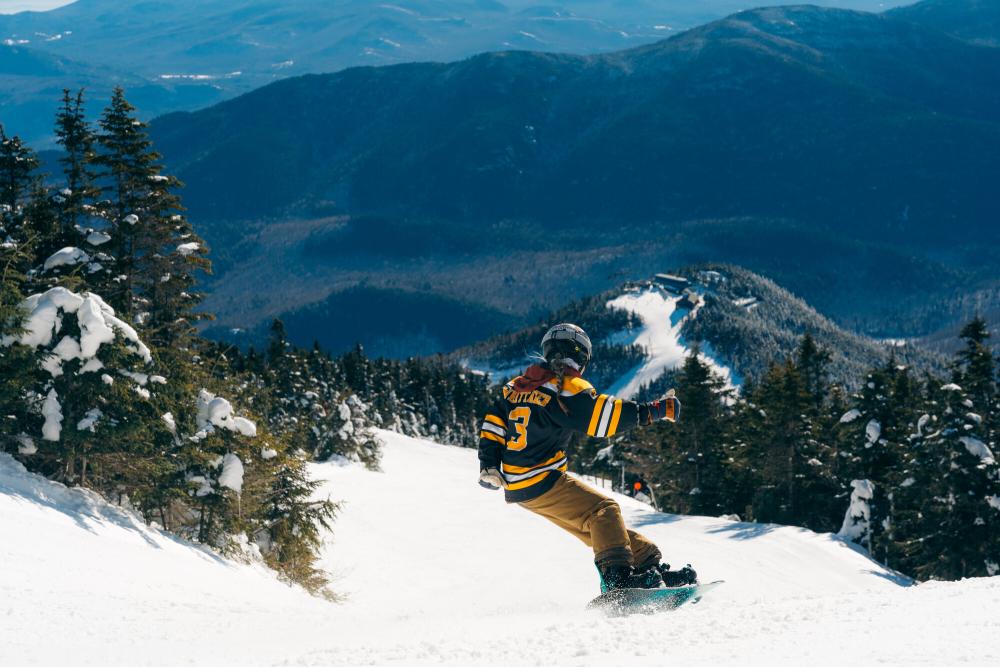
(823, 148)
(974, 20)
(187, 54)
(129, 595)
(741, 321)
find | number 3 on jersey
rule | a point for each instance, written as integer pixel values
(519, 417)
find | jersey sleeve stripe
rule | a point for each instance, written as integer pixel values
(615, 416)
(609, 405)
(486, 435)
(512, 478)
(493, 428)
(531, 481)
(595, 418)
(518, 469)
(496, 420)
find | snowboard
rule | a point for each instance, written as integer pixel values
(628, 601)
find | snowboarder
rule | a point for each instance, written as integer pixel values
(522, 449)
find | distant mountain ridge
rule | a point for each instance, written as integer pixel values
(187, 54)
(517, 134)
(849, 156)
(743, 322)
(974, 20)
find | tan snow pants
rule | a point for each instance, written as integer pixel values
(597, 521)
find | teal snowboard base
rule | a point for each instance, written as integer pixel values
(628, 601)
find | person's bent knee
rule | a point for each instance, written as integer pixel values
(607, 508)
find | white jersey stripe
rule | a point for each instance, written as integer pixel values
(609, 407)
(517, 478)
(493, 428)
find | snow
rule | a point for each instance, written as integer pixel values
(994, 501)
(26, 445)
(979, 449)
(856, 520)
(98, 238)
(951, 387)
(447, 573)
(660, 336)
(216, 411)
(921, 423)
(188, 248)
(89, 420)
(52, 411)
(850, 416)
(131, 219)
(267, 453)
(232, 473)
(66, 257)
(873, 431)
(95, 318)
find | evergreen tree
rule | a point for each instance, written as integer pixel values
(156, 250)
(948, 525)
(691, 472)
(77, 139)
(787, 437)
(292, 520)
(874, 439)
(17, 364)
(976, 371)
(17, 166)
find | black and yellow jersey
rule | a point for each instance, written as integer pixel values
(525, 432)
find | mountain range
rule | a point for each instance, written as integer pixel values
(849, 156)
(187, 54)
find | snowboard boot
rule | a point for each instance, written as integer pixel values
(615, 576)
(673, 578)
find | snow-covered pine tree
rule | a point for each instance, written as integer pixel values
(874, 446)
(156, 251)
(89, 407)
(947, 525)
(976, 371)
(308, 404)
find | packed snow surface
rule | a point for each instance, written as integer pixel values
(436, 570)
(660, 336)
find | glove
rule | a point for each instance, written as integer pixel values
(668, 408)
(490, 478)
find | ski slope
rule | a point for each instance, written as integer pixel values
(660, 336)
(436, 570)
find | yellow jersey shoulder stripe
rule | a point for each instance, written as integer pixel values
(573, 386)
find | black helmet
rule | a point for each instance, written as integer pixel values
(566, 341)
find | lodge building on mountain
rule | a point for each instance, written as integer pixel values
(675, 284)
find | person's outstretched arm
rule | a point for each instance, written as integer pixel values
(603, 416)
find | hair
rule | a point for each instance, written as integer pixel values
(558, 366)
